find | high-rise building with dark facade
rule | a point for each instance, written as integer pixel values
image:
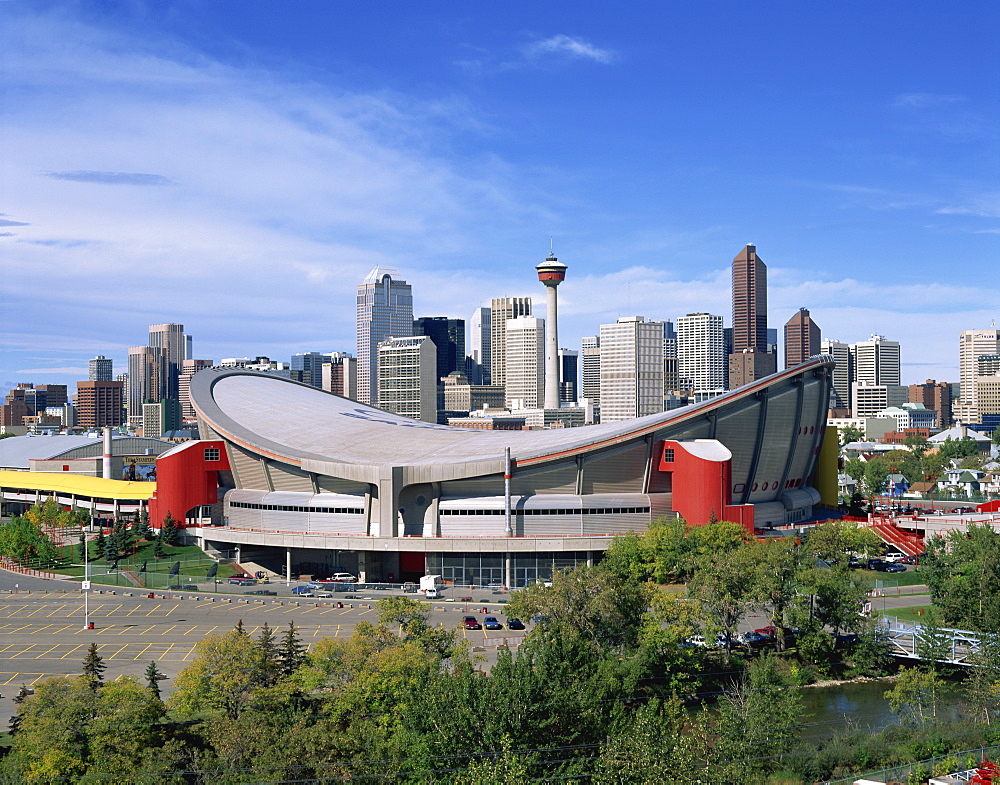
(750, 358)
(449, 339)
(384, 310)
(569, 372)
(802, 338)
(307, 367)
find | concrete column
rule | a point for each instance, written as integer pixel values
(590, 558)
(288, 565)
(508, 571)
(551, 349)
(363, 566)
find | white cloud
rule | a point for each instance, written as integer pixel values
(926, 100)
(562, 44)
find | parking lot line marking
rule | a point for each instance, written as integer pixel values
(153, 627)
(169, 628)
(44, 628)
(51, 648)
(57, 610)
(118, 652)
(143, 652)
(68, 626)
(346, 610)
(204, 604)
(134, 610)
(189, 631)
(78, 646)
(19, 629)
(37, 610)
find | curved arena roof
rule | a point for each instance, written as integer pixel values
(294, 422)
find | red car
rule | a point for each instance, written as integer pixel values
(471, 623)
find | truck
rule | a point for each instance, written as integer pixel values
(430, 586)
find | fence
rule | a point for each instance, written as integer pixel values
(921, 770)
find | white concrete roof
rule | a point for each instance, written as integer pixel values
(293, 421)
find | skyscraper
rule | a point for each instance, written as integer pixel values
(842, 376)
(100, 369)
(170, 339)
(750, 359)
(449, 339)
(631, 369)
(407, 377)
(479, 347)
(590, 368)
(525, 362)
(384, 310)
(972, 344)
(802, 338)
(189, 368)
(146, 369)
(501, 310)
(569, 372)
(340, 375)
(98, 403)
(307, 367)
(701, 363)
(876, 361)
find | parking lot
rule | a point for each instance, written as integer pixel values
(43, 631)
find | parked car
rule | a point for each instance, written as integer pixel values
(491, 623)
(342, 577)
(753, 638)
(471, 623)
(768, 632)
(893, 556)
(303, 590)
(242, 580)
(323, 595)
(894, 568)
(874, 564)
(266, 592)
(515, 624)
(183, 587)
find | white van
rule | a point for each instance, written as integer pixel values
(893, 557)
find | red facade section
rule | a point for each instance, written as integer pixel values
(185, 478)
(701, 482)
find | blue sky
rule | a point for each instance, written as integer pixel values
(240, 167)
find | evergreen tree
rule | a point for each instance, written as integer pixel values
(93, 668)
(158, 550)
(154, 677)
(169, 531)
(84, 556)
(292, 653)
(100, 544)
(269, 649)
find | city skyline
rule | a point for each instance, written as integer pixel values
(242, 183)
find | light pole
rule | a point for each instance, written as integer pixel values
(86, 587)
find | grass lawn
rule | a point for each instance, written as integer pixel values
(910, 614)
(194, 565)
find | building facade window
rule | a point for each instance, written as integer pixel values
(211, 453)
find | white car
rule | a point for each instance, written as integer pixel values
(893, 557)
(343, 577)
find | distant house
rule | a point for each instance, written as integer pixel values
(968, 481)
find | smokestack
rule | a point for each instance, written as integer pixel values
(106, 456)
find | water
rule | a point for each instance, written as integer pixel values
(861, 705)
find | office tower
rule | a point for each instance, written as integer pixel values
(407, 377)
(870, 399)
(802, 338)
(569, 372)
(462, 396)
(935, 396)
(449, 340)
(631, 369)
(188, 347)
(876, 361)
(160, 417)
(479, 346)
(384, 310)
(100, 369)
(146, 369)
(340, 375)
(501, 310)
(590, 368)
(842, 375)
(551, 273)
(307, 367)
(189, 368)
(972, 345)
(524, 354)
(701, 364)
(99, 404)
(170, 339)
(750, 358)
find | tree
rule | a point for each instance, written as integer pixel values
(101, 544)
(168, 533)
(916, 443)
(154, 677)
(269, 650)
(760, 719)
(915, 695)
(291, 653)
(93, 668)
(228, 675)
(158, 550)
(24, 541)
(963, 574)
(850, 433)
(84, 556)
(19, 699)
(728, 585)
